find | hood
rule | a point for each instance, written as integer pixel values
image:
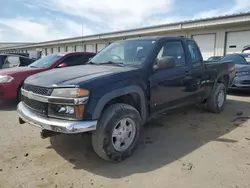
(240, 68)
(76, 75)
(19, 70)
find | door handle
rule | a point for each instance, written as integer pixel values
(187, 73)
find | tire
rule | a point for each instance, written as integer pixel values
(213, 104)
(19, 94)
(103, 141)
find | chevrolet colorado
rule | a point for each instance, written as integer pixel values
(120, 89)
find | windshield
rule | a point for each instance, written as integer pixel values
(237, 59)
(247, 57)
(45, 62)
(214, 58)
(128, 52)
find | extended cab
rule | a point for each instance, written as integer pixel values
(11, 79)
(120, 89)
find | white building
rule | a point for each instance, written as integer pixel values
(11, 44)
(215, 36)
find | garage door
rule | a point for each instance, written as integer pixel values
(49, 51)
(206, 43)
(89, 48)
(55, 49)
(100, 47)
(79, 48)
(69, 49)
(236, 41)
(62, 49)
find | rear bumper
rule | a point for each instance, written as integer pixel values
(51, 124)
(8, 91)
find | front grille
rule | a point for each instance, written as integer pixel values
(245, 82)
(38, 107)
(38, 90)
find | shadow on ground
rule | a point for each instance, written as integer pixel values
(163, 141)
(8, 105)
(241, 93)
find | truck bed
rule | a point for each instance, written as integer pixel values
(214, 68)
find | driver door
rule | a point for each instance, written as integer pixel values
(168, 87)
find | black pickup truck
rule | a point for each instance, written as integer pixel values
(121, 88)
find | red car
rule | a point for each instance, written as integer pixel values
(11, 79)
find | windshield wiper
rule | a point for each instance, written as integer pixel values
(121, 64)
(32, 66)
(92, 63)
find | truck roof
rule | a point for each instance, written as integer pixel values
(158, 38)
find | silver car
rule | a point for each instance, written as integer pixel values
(242, 67)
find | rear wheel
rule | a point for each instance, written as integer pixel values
(217, 99)
(117, 132)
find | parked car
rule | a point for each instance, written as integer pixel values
(242, 68)
(246, 49)
(120, 89)
(19, 53)
(215, 58)
(13, 60)
(11, 80)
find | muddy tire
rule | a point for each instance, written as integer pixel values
(117, 132)
(217, 99)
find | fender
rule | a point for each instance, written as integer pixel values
(119, 92)
(224, 73)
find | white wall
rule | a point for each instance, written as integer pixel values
(220, 38)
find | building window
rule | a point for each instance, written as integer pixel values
(52, 50)
(66, 48)
(45, 51)
(75, 48)
(59, 49)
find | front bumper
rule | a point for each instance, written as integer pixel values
(8, 91)
(241, 82)
(51, 124)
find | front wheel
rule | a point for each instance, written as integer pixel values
(217, 99)
(117, 132)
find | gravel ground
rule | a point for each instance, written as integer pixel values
(187, 148)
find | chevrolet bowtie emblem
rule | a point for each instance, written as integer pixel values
(30, 93)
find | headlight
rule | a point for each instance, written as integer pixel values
(66, 111)
(243, 73)
(70, 92)
(6, 79)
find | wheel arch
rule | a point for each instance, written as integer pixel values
(222, 78)
(133, 95)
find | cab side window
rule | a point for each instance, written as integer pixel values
(11, 61)
(194, 52)
(25, 61)
(175, 50)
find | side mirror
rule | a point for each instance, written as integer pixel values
(62, 65)
(166, 62)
